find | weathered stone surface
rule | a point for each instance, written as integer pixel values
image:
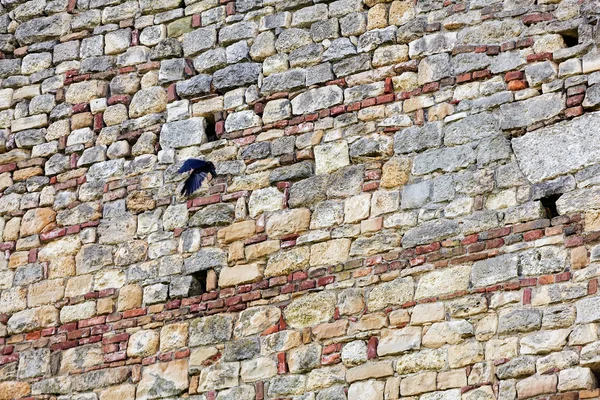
(555, 142)
(316, 99)
(310, 310)
(443, 281)
(163, 379)
(527, 112)
(394, 293)
(183, 133)
(210, 330)
(494, 270)
(397, 341)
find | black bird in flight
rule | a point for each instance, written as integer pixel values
(200, 169)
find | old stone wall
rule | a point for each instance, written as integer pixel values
(407, 202)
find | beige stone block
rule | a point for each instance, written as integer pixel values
(443, 281)
(480, 393)
(173, 337)
(330, 330)
(35, 220)
(14, 390)
(428, 359)
(427, 313)
(237, 231)
(393, 293)
(351, 301)
(451, 379)
(357, 208)
(285, 262)
(501, 348)
(310, 310)
(401, 11)
(330, 253)
(143, 343)
(62, 267)
(11, 229)
(163, 380)
(121, 392)
(536, 385)
(45, 292)
(579, 257)
(105, 306)
(206, 108)
(447, 332)
(368, 322)
(330, 157)
(399, 317)
(366, 390)
(288, 222)
(418, 383)
(130, 296)
(258, 369)
(240, 274)
(261, 249)
(199, 355)
(396, 341)
(377, 16)
(543, 342)
(395, 172)
(378, 369)
(467, 353)
(577, 378)
(83, 92)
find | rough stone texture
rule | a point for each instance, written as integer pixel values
(382, 224)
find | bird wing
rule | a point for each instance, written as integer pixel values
(193, 163)
(193, 182)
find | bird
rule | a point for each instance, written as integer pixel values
(200, 169)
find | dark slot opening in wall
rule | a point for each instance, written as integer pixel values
(211, 132)
(198, 285)
(571, 38)
(549, 204)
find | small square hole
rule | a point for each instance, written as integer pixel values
(198, 285)
(571, 38)
(549, 204)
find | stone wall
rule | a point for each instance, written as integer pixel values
(407, 202)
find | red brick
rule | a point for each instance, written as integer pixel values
(513, 76)
(281, 364)
(372, 347)
(325, 280)
(464, 78)
(305, 285)
(259, 389)
(506, 46)
(121, 355)
(527, 296)
(517, 85)
(92, 321)
(172, 93)
(539, 57)
(535, 18)
(202, 201)
(574, 101)
(64, 345)
(524, 42)
(196, 20)
(593, 286)
(331, 359)
(573, 112)
(431, 87)
(120, 337)
(484, 74)
(333, 111)
(533, 235)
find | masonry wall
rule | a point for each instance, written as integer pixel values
(407, 202)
